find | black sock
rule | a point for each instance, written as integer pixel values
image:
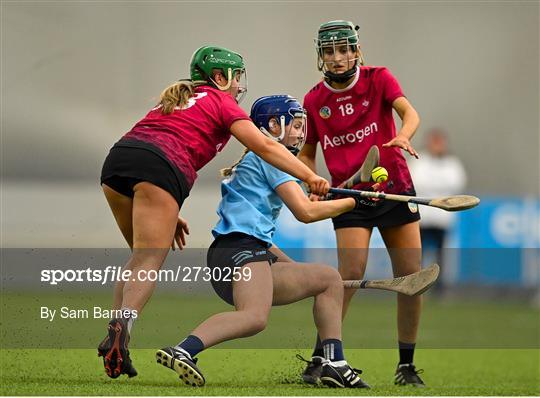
(406, 352)
(318, 351)
(333, 350)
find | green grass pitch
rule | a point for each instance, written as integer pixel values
(465, 347)
(269, 372)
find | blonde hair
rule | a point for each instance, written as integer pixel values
(177, 94)
(227, 172)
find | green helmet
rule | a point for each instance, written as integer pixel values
(207, 58)
(335, 33)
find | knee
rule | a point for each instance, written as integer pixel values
(147, 258)
(352, 267)
(256, 323)
(350, 272)
(333, 277)
(327, 280)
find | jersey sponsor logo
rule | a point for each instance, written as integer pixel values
(413, 207)
(325, 112)
(349, 138)
(365, 103)
(344, 98)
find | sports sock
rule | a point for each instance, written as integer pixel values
(333, 350)
(130, 319)
(191, 344)
(318, 350)
(406, 352)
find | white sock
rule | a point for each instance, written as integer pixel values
(130, 320)
(336, 364)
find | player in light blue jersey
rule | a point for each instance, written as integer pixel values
(250, 273)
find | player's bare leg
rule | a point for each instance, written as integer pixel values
(353, 250)
(253, 301)
(352, 259)
(155, 216)
(122, 209)
(282, 283)
(154, 219)
(404, 247)
(296, 281)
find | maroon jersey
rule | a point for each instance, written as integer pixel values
(349, 121)
(191, 136)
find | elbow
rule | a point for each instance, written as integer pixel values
(416, 118)
(411, 117)
(304, 216)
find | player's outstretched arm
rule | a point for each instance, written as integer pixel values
(307, 211)
(277, 155)
(409, 124)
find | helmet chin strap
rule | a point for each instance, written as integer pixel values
(294, 150)
(341, 77)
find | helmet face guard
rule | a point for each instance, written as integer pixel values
(205, 60)
(332, 35)
(273, 111)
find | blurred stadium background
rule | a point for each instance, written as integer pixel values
(77, 75)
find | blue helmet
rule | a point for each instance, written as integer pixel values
(273, 113)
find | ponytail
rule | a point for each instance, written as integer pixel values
(176, 95)
(227, 172)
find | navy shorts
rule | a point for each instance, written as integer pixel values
(126, 166)
(381, 214)
(232, 251)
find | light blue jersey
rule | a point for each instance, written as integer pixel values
(249, 202)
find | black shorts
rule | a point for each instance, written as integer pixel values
(385, 213)
(233, 251)
(126, 166)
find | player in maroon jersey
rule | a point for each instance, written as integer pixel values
(347, 113)
(148, 174)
